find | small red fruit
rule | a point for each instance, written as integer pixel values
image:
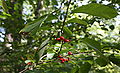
(58, 39)
(69, 53)
(62, 38)
(62, 61)
(29, 63)
(66, 40)
(59, 56)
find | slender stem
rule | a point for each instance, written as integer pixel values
(60, 48)
(65, 16)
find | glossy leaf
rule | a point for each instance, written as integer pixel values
(97, 10)
(76, 20)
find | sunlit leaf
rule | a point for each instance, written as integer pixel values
(97, 10)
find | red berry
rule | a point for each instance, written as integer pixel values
(59, 56)
(66, 59)
(66, 40)
(62, 61)
(62, 38)
(58, 39)
(69, 53)
(29, 63)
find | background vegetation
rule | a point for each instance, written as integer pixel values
(30, 31)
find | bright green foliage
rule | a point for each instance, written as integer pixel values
(59, 36)
(97, 10)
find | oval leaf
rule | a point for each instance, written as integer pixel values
(97, 10)
(76, 20)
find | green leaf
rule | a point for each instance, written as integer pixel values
(76, 20)
(97, 10)
(85, 68)
(67, 31)
(114, 59)
(43, 47)
(36, 25)
(54, 2)
(101, 62)
(47, 2)
(3, 17)
(51, 17)
(96, 46)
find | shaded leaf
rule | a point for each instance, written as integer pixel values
(114, 59)
(97, 10)
(54, 2)
(101, 62)
(47, 2)
(85, 68)
(112, 27)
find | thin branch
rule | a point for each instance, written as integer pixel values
(65, 16)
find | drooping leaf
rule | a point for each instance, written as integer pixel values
(101, 62)
(35, 25)
(43, 47)
(97, 10)
(96, 46)
(67, 31)
(76, 20)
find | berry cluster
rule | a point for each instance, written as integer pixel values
(62, 38)
(64, 59)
